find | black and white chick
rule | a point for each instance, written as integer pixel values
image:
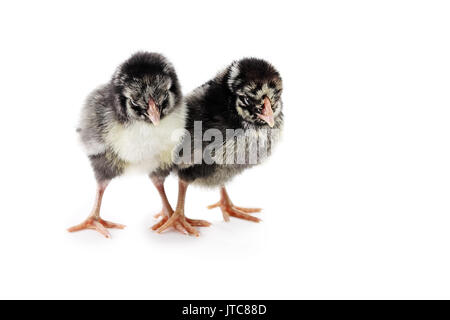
(131, 123)
(246, 99)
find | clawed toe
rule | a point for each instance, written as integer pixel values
(248, 210)
(237, 213)
(198, 223)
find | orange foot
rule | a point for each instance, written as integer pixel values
(97, 224)
(180, 223)
(229, 209)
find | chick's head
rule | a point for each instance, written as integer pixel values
(147, 86)
(256, 87)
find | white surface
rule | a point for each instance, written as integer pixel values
(356, 197)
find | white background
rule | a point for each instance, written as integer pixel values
(356, 197)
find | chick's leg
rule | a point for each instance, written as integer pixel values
(177, 219)
(229, 209)
(94, 221)
(167, 210)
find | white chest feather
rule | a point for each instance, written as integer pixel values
(147, 146)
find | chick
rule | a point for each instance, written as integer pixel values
(131, 123)
(244, 99)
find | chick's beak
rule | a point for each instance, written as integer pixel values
(267, 113)
(153, 112)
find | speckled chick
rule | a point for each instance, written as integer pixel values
(242, 103)
(132, 123)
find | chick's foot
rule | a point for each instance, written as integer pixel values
(164, 217)
(97, 224)
(180, 223)
(229, 209)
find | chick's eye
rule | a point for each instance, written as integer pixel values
(245, 100)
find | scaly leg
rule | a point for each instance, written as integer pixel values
(167, 210)
(177, 219)
(94, 221)
(229, 209)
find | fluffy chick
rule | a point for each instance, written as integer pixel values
(131, 123)
(245, 97)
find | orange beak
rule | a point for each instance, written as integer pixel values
(153, 112)
(267, 113)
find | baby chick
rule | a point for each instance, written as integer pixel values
(132, 123)
(246, 99)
